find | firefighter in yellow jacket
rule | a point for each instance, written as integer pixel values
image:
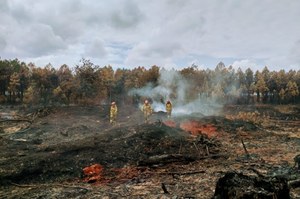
(147, 110)
(169, 108)
(113, 113)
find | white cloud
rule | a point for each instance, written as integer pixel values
(165, 33)
(95, 49)
(153, 53)
(127, 16)
(245, 64)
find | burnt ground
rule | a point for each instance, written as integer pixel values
(43, 151)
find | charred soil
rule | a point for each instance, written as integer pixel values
(73, 152)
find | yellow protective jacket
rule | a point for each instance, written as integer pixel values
(168, 107)
(147, 109)
(113, 110)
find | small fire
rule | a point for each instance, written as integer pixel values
(93, 173)
(196, 128)
(170, 123)
(97, 175)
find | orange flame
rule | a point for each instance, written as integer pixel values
(170, 123)
(93, 173)
(196, 128)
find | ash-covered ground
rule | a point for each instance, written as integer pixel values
(44, 151)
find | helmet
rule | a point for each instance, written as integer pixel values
(113, 103)
(146, 101)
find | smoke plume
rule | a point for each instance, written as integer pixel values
(174, 87)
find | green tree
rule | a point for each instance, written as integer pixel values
(241, 85)
(67, 83)
(13, 87)
(149, 76)
(6, 70)
(281, 95)
(281, 80)
(194, 78)
(249, 79)
(25, 76)
(106, 83)
(266, 76)
(59, 95)
(134, 78)
(261, 87)
(272, 85)
(87, 82)
(119, 88)
(292, 91)
(30, 96)
(44, 80)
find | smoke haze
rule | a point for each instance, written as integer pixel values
(174, 87)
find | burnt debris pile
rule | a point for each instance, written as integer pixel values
(138, 145)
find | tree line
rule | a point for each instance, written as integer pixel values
(90, 84)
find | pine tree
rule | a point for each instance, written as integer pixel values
(13, 87)
(292, 91)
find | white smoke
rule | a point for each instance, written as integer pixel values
(174, 87)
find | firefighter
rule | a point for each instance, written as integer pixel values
(169, 108)
(147, 110)
(113, 113)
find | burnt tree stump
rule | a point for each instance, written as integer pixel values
(240, 186)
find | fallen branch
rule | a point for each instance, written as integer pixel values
(294, 183)
(180, 146)
(47, 185)
(163, 186)
(17, 120)
(245, 149)
(207, 150)
(197, 148)
(257, 172)
(24, 185)
(182, 173)
(165, 159)
(170, 158)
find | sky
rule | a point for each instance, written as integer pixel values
(167, 33)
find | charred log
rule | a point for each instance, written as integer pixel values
(164, 188)
(16, 120)
(238, 185)
(166, 159)
(160, 160)
(297, 161)
(294, 183)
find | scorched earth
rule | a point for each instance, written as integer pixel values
(73, 152)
